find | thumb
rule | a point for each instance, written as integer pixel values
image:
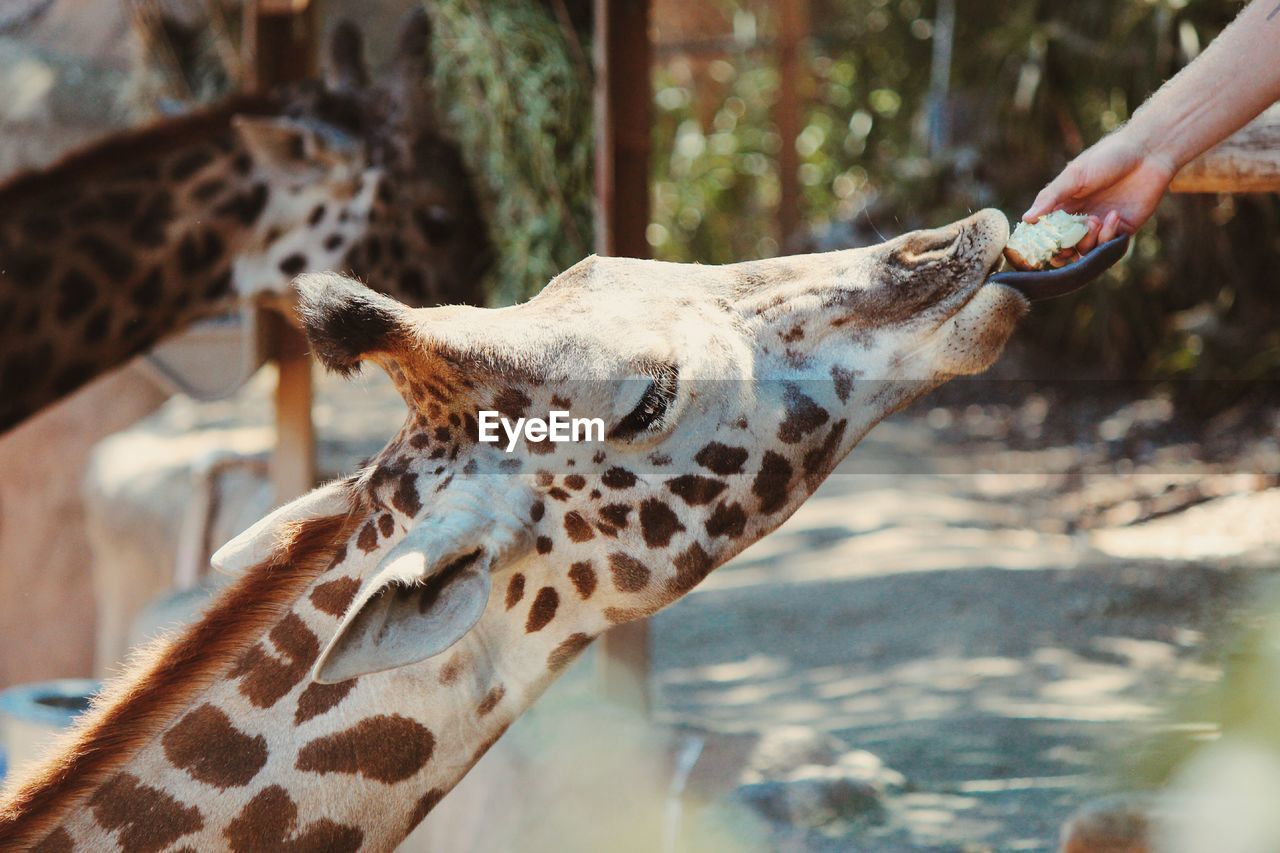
(1067, 185)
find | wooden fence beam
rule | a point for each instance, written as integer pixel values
(1246, 162)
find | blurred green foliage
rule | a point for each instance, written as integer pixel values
(1241, 704)
(1031, 85)
(516, 83)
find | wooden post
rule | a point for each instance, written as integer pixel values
(793, 32)
(280, 47)
(293, 460)
(623, 98)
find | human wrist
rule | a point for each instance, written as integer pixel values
(1158, 144)
(1174, 134)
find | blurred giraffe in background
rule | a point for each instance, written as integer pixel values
(127, 241)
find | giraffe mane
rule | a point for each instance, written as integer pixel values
(164, 679)
(121, 150)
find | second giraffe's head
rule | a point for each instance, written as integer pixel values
(365, 180)
(712, 402)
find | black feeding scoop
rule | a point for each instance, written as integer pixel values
(1048, 284)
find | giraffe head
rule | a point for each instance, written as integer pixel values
(726, 395)
(364, 181)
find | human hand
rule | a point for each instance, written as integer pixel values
(1118, 183)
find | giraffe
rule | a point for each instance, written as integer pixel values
(124, 242)
(388, 627)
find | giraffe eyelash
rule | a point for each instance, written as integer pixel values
(652, 407)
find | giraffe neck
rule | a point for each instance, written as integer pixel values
(114, 248)
(262, 756)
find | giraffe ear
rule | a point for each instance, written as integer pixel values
(432, 587)
(413, 45)
(346, 56)
(347, 321)
(416, 606)
(260, 542)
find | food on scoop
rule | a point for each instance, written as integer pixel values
(1034, 247)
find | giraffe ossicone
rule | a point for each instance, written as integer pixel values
(396, 622)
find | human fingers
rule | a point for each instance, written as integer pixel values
(1066, 186)
(1063, 258)
(1090, 239)
(1110, 227)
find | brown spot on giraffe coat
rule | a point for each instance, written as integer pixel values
(563, 654)
(843, 380)
(368, 539)
(619, 615)
(696, 490)
(819, 461)
(335, 596)
(490, 700)
(727, 520)
(515, 590)
(583, 578)
(658, 523)
(423, 807)
(618, 478)
(265, 678)
(629, 574)
(577, 527)
(450, 671)
(145, 819)
(207, 746)
(319, 698)
(803, 415)
(543, 609)
(270, 822)
(772, 482)
(692, 566)
(385, 748)
(58, 841)
(721, 458)
(406, 497)
(616, 514)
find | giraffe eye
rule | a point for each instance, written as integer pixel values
(649, 411)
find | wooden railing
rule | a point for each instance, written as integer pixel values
(1247, 162)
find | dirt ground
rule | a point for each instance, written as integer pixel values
(996, 600)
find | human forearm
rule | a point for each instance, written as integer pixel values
(1236, 78)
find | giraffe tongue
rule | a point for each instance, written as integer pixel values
(1049, 284)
